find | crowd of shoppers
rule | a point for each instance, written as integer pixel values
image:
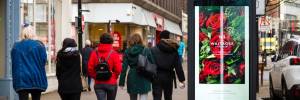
(102, 64)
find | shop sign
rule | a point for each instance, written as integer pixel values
(117, 40)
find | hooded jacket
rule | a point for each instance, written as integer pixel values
(167, 59)
(114, 63)
(28, 65)
(136, 84)
(68, 70)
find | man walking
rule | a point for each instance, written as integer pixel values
(86, 52)
(166, 49)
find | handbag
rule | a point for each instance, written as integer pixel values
(146, 68)
(83, 79)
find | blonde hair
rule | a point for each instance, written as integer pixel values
(88, 42)
(28, 33)
(135, 39)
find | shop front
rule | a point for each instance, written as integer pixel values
(120, 33)
(132, 19)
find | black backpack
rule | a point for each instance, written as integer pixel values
(102, 68)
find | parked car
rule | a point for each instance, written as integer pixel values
(285, 74)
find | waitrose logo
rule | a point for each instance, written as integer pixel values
(225, 44)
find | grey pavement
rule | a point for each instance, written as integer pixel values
(263, 93)
(178, 94)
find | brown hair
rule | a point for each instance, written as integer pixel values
(135, 39)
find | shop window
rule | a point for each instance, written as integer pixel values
(95, 31)
(2, 36)
(36, 14)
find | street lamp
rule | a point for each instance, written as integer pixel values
(79, 25)
(109, 24)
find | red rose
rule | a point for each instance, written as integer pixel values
(216, 44)
(242, 69)
(214, 21)
(227, 77)
(210, 68)
(202, 19)
(202, 36)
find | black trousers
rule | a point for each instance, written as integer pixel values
(162, 86)
(106, 91)
(70, 96)
(24, 94)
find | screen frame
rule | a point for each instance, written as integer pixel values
(253, 50)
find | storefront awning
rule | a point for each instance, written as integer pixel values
(142, 16)
(149, 18)
(124, 12)
(173, 27)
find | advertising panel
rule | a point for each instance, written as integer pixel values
(222, 52)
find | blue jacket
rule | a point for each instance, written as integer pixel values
(28, 65)
(181, 48)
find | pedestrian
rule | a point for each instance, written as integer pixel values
(28, 65)
(68, 71)
(104, 56)
(181, 49)
(167, 59)
(86, 52)
(136, 85)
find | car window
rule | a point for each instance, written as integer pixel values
(288, 49)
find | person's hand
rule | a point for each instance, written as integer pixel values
(181, 85)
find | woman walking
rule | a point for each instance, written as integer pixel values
(137, 86)
(104, 67)
(28, 66)
(68, 71)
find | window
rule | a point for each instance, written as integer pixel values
(2, 36)
(40, 15)
(288, 49)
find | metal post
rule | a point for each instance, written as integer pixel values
(109, 26)
(265, 49)
(79, 26)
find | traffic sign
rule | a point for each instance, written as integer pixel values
(264, 23)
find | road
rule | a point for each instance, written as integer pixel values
(178, 94)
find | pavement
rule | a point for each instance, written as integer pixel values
(178, 94)
(264, 93)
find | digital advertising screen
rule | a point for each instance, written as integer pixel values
(222, 62)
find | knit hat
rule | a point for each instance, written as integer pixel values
(164, 34)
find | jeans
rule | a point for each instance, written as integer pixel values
(70, 96)
(165, 87)
(141, 96)
(24, 94)
(106, 91)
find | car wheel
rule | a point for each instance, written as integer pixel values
(273, 96)
(285, 92)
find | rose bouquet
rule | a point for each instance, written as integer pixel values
(222, 48)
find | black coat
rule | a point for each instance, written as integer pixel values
(68, 72)
(167, 59)
(86, 52)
